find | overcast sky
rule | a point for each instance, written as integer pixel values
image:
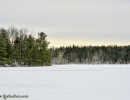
(67, 22)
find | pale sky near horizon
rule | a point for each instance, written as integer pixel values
(67, 22)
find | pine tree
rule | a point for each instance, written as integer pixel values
(42, 45)
(3, 47)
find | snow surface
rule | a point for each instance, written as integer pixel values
(67, 82)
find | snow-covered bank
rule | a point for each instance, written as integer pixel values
(69, 67)
(67, 82)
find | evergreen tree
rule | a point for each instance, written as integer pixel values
(3, 47)
(19, 48)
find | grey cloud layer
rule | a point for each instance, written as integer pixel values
(96, 19)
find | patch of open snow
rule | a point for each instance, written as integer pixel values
(67, 82)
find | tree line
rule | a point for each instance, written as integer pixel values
(17, 48)
(91, 55)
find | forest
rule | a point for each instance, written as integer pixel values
(19, 48)
(91, 55)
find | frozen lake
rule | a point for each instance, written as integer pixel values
(67, 82)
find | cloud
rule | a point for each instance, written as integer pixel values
(79, 19)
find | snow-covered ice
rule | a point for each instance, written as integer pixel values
(67, 82)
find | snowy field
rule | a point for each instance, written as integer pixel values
(67, 82)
